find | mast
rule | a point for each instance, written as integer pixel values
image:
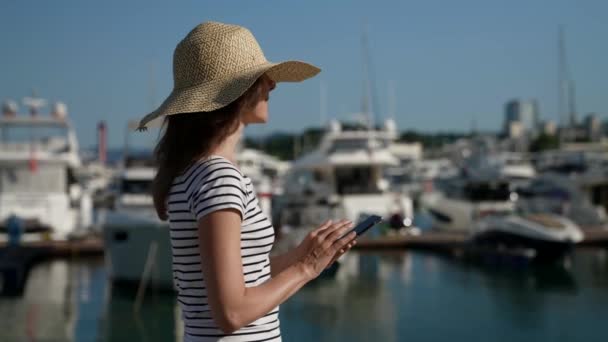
(392, 101)
(566, 88)
(366, 99)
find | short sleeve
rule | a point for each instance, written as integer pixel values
(221, 188)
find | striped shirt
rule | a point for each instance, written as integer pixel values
(209, 185)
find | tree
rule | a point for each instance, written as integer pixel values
(544, 142)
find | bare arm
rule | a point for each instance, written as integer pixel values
(232, 304)
(280, 262)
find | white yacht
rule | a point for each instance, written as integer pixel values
(511, 166)
(344, 178)
(487, 185)
(137, 242)
(561, 195)
(38, 174)
(258, 165)
(266, 173)
(545, 236)
(455, 204)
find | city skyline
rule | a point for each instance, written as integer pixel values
(450, 64)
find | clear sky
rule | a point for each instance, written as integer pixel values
(451, 62)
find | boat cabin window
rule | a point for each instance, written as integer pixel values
(474, 192)
(270, 172)
(487, 192)
(354, 144)
(136, 186)
(356, 180)
(21, 178)
(52, 137)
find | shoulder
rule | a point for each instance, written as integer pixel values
(221, 167)
(220, 185)
(208, 170)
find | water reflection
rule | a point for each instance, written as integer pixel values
(374, 297)
(155, 320)
(405, 296)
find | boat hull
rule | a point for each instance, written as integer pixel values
(502, 240)
(129, 246)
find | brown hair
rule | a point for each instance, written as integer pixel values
(189, 137)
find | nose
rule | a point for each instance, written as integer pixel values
(272, 85)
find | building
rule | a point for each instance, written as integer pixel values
(549, 128)
(593, 127)
(523, 111)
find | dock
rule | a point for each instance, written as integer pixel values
(16, 261)
(88, 246)
(449, 241)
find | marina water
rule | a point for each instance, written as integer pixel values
(400, 296)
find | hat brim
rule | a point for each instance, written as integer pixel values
(214, 95)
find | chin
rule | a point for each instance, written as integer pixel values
(261, 120)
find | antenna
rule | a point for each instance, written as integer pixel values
(474, 126)
(392, 100)
(34, 103)
(572, 103)
(566, 87)
(367, 91)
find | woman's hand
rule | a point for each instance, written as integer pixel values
(323, 246)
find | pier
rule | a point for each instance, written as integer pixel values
(447, 241)
(16, 261)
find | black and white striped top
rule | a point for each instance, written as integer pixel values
(207, 186)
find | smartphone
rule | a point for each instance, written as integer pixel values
(364, 225)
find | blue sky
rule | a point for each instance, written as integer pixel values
(450, 61)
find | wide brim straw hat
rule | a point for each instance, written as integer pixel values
(215, 64)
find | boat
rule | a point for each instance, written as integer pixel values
(585, 165)
(455, 204)
(538, 236)
(417, 176)
(511, 166)
(344, 178)
(559, 194)
(266, 173)
(39, 161)
(137, 242)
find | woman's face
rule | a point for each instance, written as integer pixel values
(259, 110)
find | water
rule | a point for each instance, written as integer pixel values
(375, 297)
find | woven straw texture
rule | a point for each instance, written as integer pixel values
(215, 64)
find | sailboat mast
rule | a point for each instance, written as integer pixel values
(367, 89)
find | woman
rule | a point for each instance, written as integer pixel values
(229, 288)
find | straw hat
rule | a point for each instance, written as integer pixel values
(215, 64)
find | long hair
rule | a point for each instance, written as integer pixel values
(189, 137)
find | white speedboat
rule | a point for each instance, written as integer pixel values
(455, 204)
(547, 236)
(38, 174)
(344, 178)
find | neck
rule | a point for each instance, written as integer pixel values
(227, 148)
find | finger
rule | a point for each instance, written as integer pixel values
(322, 227)
(339, 254)
(342, 243)
(339, 232)
(336, 257)
(333, 228)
